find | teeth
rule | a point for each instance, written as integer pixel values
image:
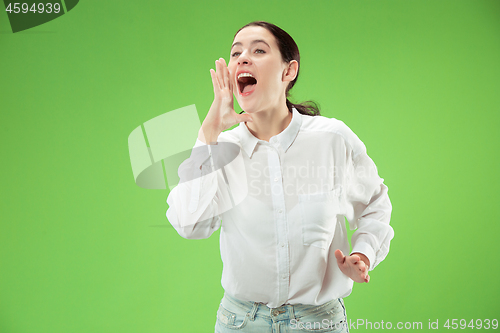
(245, 75)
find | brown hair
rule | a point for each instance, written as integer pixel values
(289, 51)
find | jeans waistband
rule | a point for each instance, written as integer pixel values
(285, 311)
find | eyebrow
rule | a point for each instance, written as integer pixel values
(253, 42)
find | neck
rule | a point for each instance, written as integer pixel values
(270, 122)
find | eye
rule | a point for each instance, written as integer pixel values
(260, 51)
(234, 54)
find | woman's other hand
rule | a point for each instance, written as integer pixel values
(353, 266)
(221, 115)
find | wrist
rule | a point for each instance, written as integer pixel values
(208, 135)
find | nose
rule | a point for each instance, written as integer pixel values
(244, 58)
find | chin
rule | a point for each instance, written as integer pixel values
(246, 106)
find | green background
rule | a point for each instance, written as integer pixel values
(84, 249)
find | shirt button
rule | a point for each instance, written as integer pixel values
(280, 211)
(284, 277)
(275, 179)
(282, 244)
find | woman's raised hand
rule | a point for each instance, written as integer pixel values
(221, 115)
(353, 266)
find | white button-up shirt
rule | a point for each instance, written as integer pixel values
(281, 206)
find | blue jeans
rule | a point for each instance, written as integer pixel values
(235, 315)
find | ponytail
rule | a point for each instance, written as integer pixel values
(308, 108)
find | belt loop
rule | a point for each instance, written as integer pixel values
(252, 313)
(292, 311)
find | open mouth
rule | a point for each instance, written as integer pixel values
(246, 83)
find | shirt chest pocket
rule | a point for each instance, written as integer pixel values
(318, 217)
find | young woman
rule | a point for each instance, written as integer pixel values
(281, 202)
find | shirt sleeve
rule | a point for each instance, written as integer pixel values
(368, 205)
(193, 203)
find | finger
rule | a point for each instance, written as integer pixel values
(220, 73)
(365, 270)
(214, 81)
(362, 266)
(340, 257)
(364, 276)
(226, 74)
(230, 79)
(244, 117)
(230, 76)
(217, 70)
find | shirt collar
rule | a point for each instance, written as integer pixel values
(285, 138)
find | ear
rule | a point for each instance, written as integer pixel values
(290, 72)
